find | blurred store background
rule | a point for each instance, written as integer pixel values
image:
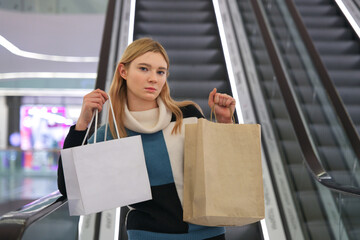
(49, 52)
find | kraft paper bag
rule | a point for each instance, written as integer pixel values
(223, 184)
(105, 175)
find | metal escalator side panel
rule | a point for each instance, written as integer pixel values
(351, 11)
(268, 135)
(225, 38)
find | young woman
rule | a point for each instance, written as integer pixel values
(142, 106)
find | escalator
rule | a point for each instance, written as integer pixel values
(303, 184)
(189, 32)
(339, 49)
(310, 202)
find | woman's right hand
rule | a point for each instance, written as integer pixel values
(93, 100)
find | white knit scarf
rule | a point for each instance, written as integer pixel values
(148, 121)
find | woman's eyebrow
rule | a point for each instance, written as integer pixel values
(148, 65)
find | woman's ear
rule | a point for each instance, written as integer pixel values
(122, 70)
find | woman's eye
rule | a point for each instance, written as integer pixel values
(161, 72)
(143, 68)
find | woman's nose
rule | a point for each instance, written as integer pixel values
(153, 77)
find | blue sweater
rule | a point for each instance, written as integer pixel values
(161, 217)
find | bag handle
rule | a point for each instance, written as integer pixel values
(95, 115)
(107, 117)
(213, 112)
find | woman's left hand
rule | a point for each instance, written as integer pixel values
(222, 104)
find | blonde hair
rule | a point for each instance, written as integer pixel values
(118, 88)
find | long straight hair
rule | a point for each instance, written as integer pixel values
(118, 88)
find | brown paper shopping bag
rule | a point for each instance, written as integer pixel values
(223, 183)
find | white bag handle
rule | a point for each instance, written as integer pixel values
(95, 114)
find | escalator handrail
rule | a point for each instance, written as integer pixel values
(14, 224)
(313, 163)
(328, 84)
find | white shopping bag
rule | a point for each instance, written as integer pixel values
(105, 175)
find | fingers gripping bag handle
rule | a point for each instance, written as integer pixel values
(213, 113)
(95, 115)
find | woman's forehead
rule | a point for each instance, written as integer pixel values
(154, 59)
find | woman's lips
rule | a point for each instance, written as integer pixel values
(150, 89)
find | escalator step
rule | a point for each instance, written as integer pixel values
(323, 135)
(249, 17)
(293, 61)
(338, 47)
(287, 47)
(155, 5)
(323, 21)
(311, 206)
(299, 77)
(255, 42)
(200, 72)
(195, 89)
(336, 62)
(277, 21)
(307, 2)
(273, 93)
(180, 29)
(174, 16)
(208, 56)
(293, 151)
(333, 156)
(281, 33)
(316, 10)
(307, 94)
(266, 72)
(261, 56)
(186, 42)
(334, 34)
(345, 78)
(278, 109)
(302, 179)
(349, 95)
(354, 112)
(315, 113)
(245, 6)
(284, 128)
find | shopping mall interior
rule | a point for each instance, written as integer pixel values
(293, 66)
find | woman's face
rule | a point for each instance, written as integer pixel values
(145, 78)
